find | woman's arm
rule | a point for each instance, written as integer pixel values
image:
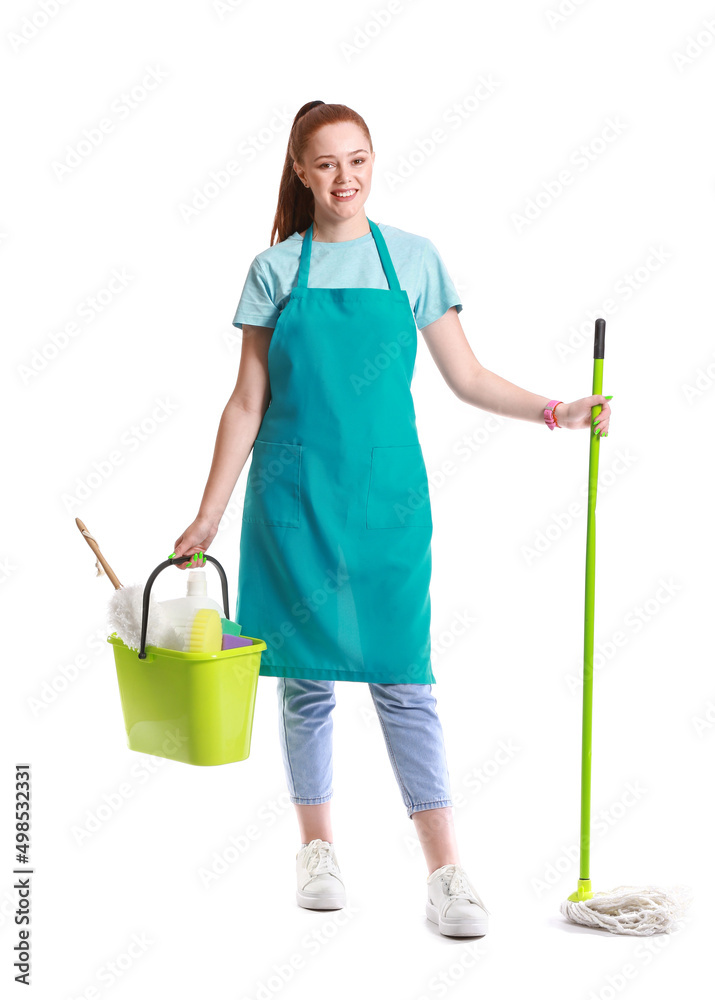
(480, 387)
(239, 422)
(237, 431)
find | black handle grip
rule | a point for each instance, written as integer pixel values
(599, 340)
(150, 581)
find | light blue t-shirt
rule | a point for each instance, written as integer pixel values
(348, 264)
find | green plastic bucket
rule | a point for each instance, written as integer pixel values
(196, 708)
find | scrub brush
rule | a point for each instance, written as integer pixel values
(205, 634)
(124, 614)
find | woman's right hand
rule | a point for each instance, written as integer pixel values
(195, 540)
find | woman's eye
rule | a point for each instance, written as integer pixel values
(359, 159)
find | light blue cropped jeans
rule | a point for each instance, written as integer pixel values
(410, 724)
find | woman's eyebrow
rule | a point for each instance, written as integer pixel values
(334, 155)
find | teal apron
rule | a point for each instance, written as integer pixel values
(335, 556)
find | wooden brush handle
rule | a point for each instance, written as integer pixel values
(95, 548)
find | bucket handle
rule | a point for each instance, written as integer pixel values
(150, 581)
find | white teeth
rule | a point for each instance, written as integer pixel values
(344, 194)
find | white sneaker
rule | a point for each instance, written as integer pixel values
(320, 885)
(453, 904)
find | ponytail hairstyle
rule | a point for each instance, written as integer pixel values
(296, 202)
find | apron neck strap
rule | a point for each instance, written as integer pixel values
(382, 250)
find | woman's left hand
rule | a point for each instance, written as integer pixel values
(578, 414)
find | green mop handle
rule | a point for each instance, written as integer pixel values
(584, 882)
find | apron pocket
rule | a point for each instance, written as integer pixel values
(273, 486)
(398, 494)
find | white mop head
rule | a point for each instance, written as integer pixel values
(631, 910)
(124, 616)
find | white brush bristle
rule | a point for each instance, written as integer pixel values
(124, 616)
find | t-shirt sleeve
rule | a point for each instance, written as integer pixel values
(256, 305)
(436, 291)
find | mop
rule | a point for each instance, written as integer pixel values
(124, 611)
(628, 909)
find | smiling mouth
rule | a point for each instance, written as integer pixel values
(345, 194)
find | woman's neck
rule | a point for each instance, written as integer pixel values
(340, 232)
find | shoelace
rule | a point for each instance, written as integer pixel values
(460, 886)
(319, 860)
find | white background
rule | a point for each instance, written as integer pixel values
(231, 81)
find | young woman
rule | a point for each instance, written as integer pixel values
(335, 556)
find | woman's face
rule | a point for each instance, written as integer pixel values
(337, 158)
